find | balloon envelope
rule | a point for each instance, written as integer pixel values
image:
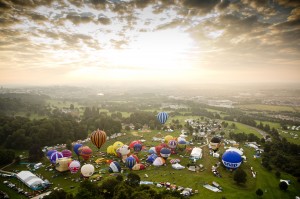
(98, 138)
(87, 170)
(49, 153)
(110, 150)
(137, 147)
(76, 147)
(55, 156)
(162, 117)
(124, 150)
(134, 142)
(172, 144)
(114, 167)
(159, 161)
(85, 152)
(136, 158)
(137, 167)
(74, 166)
(168, 138)
(231, 159)
(152, 150)
(117, 145)
(67, 153)
(151, 158)
(165, 152)
(130, 162)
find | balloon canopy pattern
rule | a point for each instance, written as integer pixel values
(162, 117)
(98, 138)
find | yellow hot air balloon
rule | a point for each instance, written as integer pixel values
(98, 138)
(168, 138)
(111, 150)
(117, 145)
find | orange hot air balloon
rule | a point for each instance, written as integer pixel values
(85, 152)
(98, 138)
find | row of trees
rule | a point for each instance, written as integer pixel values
(115, 188)
(242, 137)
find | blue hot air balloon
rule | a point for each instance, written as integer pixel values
(130, 162)
(76, 147)
(165, 152)
(137, 147)
(162, 117)
(55, 156)
(114, 167)
(151, 158)
(231, 159)
(49, 153)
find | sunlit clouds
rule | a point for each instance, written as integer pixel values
(188, 41)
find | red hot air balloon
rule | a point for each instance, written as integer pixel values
(85, 152)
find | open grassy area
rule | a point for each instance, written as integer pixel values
(265, 180)
(264, 107)
(240, 128)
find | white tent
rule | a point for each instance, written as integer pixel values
(30, 179)
(196, 153)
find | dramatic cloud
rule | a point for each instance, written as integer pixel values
(149, 40)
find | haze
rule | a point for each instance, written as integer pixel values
(153, 41)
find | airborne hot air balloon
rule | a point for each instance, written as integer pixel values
(114, 167)
(98, 138)
(231, 159)
(74, 166)
(162, 117)
(87, 170)
(215, 143)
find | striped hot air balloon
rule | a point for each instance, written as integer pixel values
(172, 144)
(130, 162)
(114, 167)
(85, 152)
(55, 156)
(67, 153)
(162, 117)
(98, 138)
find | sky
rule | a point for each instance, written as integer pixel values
(161, 42)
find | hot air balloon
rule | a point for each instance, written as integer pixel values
(168, 138)
(76, 147)
(55, 156)
(130, 162)
(215, 143)
(158, 148)
(136, 158)
(172, 144)
(114, 167)
(152, 150)
(165, 153)
(110, 150)
(117, 145)
(49, 153)
(162, 117)
(85, 152)
(134, 142)
(182, 144)
(137, 147)
(137, 167)
(123, 151)
(231, 159)
(74, 166)
(87, 170)
(67, 153)
(62, 164)
(151, 158)
(98, 138)
(159, 161)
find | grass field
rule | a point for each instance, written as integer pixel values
(240, 128)
(265, 180)
(264, 107)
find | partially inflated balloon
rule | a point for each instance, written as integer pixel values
(49, 153)
(137, 147)
(114, 167)
(98, 138)
(55, 156)
(67, 153)
(162, 117)
(85, 152)
(130, 162)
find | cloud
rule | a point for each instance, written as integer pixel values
(78, 18)
(295, 15)
(289, 3)
(104, 20)
(4, 5)
(204, 6)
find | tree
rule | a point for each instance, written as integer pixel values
(35, 153)
(277, 174)
(59, 194)
(240, 176)
(259, 192)
(283, 186)
(69, 144)
(133, 180)
(72, 106)
(127, 128)
(119, 178)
